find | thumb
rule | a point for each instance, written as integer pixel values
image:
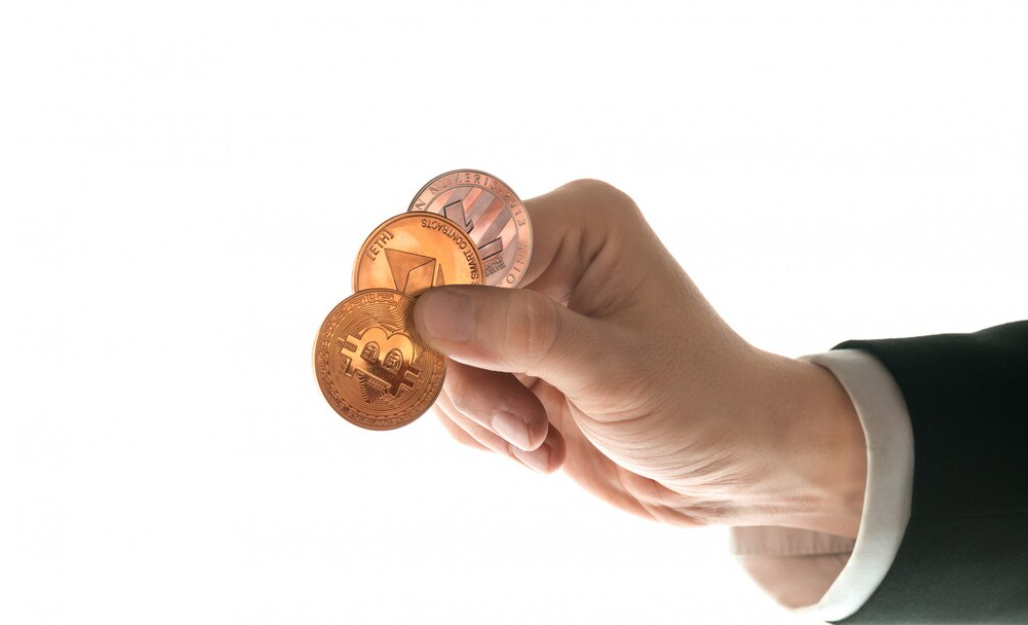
(516, 330)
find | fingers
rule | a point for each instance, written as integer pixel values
(499, 403)
(469, 428)
(455, 430)
(518, 331)
(546, 458)
(569, 226)
(526, 331)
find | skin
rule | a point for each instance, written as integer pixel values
(611, 365)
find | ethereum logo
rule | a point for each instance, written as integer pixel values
(413, 273)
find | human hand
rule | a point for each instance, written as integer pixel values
(611, 364)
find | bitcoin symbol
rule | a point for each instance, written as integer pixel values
(383, 363)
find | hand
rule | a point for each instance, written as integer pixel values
(611, 364)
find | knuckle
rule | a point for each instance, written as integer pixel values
(587, 183)
(533, 327)
(592, 185)
(604, 203)
(604, 193)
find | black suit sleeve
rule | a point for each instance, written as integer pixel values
(964, 556)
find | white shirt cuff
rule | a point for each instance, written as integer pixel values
(831, 577)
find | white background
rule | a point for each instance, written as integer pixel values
(184, 187)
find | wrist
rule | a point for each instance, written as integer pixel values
(814, 450)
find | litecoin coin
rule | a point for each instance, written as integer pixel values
(372, 367)
(492, 215)
(412, 252)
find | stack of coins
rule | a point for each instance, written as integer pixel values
(463, 227)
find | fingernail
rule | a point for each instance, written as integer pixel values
(511, 427)
(538, 459)
(447, 315)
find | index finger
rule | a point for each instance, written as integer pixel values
(570, 225)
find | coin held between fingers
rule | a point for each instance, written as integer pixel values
(415, 251)
(490, 213)
(372, 366)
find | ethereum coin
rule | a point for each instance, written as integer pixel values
(412, 252)
(372, 367)
(492, 215)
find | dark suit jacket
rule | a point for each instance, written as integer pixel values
(964, 556)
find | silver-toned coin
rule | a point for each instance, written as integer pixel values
(492, 215)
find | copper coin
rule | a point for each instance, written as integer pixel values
(411, 252)
(492, 215)
(371, 365)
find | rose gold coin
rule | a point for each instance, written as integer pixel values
(492, 215)
(371, 365)
(412, 252)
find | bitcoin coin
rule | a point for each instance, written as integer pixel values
(412, 252)
(492, 215)
(372, 367)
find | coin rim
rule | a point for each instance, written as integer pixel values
(377, 229)
(317, 379)
(528, 238)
